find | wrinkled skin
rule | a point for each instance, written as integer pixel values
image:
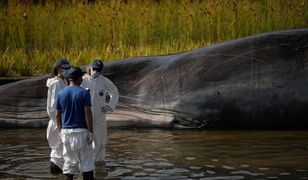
(255, 82)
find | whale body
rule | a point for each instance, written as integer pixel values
(255, 82)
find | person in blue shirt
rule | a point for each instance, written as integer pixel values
(75, 127)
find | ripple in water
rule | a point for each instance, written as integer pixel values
(206, 155)
(33, 170)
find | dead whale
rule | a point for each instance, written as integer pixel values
(259, 81)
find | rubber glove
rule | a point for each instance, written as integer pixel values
(106, 108)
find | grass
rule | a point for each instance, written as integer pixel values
(33, 36)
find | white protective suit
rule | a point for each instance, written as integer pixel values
(54, 86)
(98, 89)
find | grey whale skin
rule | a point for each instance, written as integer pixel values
(255, 82)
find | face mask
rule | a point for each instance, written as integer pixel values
(65, 72)
(95, 74)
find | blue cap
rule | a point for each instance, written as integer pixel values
(63, 63)
(74, 73)
(97, 64)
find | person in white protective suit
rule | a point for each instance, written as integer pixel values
(75, 127)
(55, 84)
(99, 86)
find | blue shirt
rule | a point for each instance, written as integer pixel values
(71, 101)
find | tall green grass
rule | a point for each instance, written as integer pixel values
(33, 36)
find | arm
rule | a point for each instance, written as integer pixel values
(53, 89)
(58, 115)
(114, 94)
(88, 111)
(89, 118)
(83, 84)
(58, 118)
(56, 88)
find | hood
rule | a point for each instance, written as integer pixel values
(51, 81)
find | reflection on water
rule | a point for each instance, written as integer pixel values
(176, 154)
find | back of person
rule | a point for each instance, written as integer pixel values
(75, 125)
(72, 102)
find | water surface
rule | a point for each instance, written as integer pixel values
(169, 154)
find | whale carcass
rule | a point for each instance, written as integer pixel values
(259, 81)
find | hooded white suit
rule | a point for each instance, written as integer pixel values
(54, 86)
(98, 89)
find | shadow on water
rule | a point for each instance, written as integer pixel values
(162, 154)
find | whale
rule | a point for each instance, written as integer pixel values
(255, 82)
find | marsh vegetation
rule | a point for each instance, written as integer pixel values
(33, 34)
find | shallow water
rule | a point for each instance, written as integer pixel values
(174, 154)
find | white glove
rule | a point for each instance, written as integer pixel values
(90, 137)
(106, 108)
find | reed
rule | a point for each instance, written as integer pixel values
(33, 36)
